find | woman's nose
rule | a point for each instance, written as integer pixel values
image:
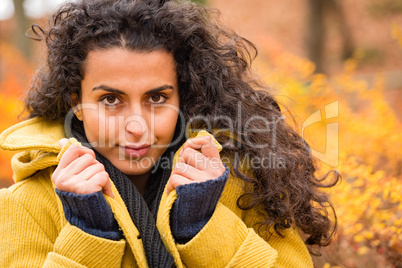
(136, 127)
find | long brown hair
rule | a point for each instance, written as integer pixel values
(215, 82)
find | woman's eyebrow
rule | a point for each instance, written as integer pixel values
(159, 89)
(110, 89)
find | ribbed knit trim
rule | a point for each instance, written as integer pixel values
(194, 206)
(91, 213)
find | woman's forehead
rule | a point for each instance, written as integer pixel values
(124, 69)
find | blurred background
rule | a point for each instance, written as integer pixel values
(341, 59)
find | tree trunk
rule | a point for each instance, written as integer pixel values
(316, 33)
(348, 47)
(317, 28)
(23, 24)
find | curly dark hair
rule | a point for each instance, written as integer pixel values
(215, 79)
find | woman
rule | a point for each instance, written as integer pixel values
(149, 145)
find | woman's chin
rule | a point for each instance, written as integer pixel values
(135, 167)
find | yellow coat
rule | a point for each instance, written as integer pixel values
(35, 233)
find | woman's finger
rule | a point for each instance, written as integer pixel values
(205, 143)
(72, 153)
(176, 180)
(189, 172)
(63, 142)
(193, 158)
(107, 189)
(102, 180)
(80, 164)
(99, 182)
(91, 171)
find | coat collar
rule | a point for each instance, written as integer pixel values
(33, 134)
(37, 141)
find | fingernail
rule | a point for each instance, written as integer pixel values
(181, 151)
(62, 142)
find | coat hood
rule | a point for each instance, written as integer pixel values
(37, 143)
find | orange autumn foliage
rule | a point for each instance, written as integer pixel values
(368, 200)
(14, 80)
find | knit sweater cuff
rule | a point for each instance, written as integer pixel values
(194, 206)
(91, 213)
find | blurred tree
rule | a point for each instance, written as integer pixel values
(382, 8)
(316, 32)
(23, 24)
(317, 25)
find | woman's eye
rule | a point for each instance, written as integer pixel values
(110, 101)
(158, 99)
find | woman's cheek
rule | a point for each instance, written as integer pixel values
(166, 124)
(96, 128)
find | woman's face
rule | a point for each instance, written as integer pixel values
(129, 106)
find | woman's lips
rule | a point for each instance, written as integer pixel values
(136, 152)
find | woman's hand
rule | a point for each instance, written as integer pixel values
(194, 166)
(79, 172)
